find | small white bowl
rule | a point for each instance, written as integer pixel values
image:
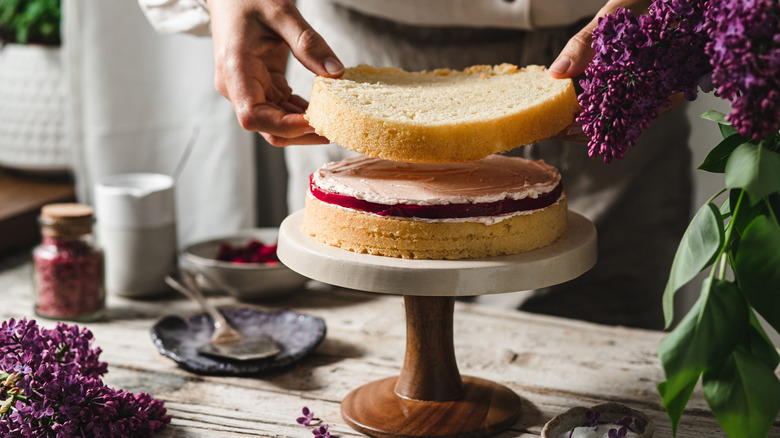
(249, 281)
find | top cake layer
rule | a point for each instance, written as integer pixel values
(440, 116)
(492, 179)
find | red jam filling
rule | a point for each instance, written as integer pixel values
(446, 211)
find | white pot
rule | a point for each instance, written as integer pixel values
(33, 99)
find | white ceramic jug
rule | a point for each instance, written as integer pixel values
(136, 226)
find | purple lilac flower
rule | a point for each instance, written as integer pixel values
(56, 391)
(617, 433)
(732, 46)
(745, 52)
(321, 432)
(640, 62)
(592, 420)
(308, 417)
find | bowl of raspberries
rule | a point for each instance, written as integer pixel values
(243, 264)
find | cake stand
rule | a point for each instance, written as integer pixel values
(430, 398)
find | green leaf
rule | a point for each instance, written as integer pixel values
(675, 405)
(758, 343)
(698, 248)
(715, 116)
(744, 395)
(772, 142)
(707, 334)
(31, 21)
(757, 268)
(725, 209)
(774, 204)
(746, 214)
(734, 195)
(727, 130)
(754, 169)
(716, 160)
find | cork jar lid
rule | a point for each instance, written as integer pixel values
(66, 219)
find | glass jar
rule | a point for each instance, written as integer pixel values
(69, 268)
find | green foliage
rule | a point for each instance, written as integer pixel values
(720, 340)
(690, 348)
(717, 158)
(756, 267)
(744, 395)
(30, 21)
(698, 248)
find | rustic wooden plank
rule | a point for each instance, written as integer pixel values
(553, 364)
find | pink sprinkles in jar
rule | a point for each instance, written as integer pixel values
(69, 269)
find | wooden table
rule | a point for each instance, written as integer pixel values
(553, 364)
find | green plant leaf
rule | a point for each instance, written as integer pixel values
(746, 214)
(727, 130)
(772, 142)
(715, 116)
(718, 157)
(744, 395)
(774, 204)
(713, 327)
(675, 405)
(754, 169)
(725, 209)
(698, 248)
(757, 267)
(758, 343)
(30, 21)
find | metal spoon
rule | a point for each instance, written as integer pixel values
(226, 342)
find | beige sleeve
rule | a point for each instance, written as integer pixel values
(177, 16)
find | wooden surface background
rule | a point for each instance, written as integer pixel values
(553, 364)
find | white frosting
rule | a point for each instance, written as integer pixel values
(491, 179)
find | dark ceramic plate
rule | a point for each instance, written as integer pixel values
(295, 333)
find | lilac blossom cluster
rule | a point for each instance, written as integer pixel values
(641, 61)
(50, 386)
(745, 50)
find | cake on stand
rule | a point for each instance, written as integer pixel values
(430, 398)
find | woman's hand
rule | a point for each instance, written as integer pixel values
(252, 39)
(577, 54)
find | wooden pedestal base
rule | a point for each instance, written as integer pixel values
(429, 398)
(486, 408)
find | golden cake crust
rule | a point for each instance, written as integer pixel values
(443, 115)
(367, 233)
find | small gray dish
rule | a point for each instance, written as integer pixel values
(295, 333)
(608, 413)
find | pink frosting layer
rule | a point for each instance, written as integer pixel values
(492, 186)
